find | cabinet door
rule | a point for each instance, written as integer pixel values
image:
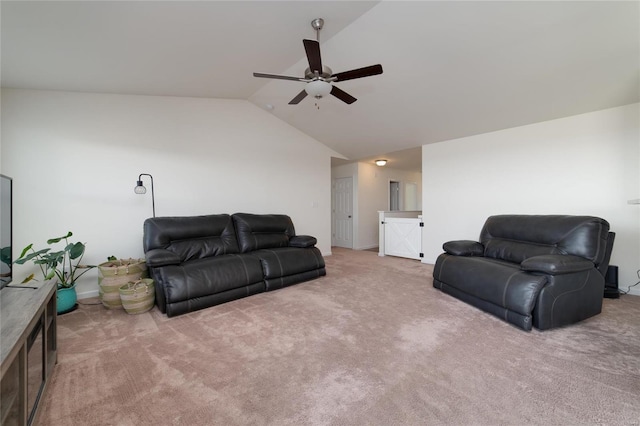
(35, 367)
(12, 402)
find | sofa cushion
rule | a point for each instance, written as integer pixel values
(262, 231)
(281, 262)
(500, 283)
(162, 257)
(211, 275)
(516, 251)
(517, 237)
(191, 237)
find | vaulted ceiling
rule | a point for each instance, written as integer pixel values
(451, 68)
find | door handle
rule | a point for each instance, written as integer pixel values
(349, 216)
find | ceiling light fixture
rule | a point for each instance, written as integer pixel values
(381, 162)
(317, 88)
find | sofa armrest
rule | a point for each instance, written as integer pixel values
(464, 248)
(302, 241)
(161, 257)
(556, 264)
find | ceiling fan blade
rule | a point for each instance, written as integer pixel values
(312, 48)
(359, 73)
(342, 95)
(279, 77)
(298, 98)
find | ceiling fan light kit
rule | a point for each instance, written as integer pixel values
(319, 78)
(317, 88)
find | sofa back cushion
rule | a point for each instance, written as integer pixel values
(191, 237)
(262, 231)
(515, 238)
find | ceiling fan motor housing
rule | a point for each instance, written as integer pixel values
(326, 73)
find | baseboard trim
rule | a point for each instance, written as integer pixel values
(88, 294)
(367, 247)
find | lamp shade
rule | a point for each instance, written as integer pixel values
(140, 189)
(318, 88)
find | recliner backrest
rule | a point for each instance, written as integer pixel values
(515, 238)
(191, 237)
(262, 231)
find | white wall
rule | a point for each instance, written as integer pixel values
(75, 159)
(371, 194)
(583, 165)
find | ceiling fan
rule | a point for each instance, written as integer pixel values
(319, 78)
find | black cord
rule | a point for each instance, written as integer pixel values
(632, 285)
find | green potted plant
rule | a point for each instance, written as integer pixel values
(63, 265)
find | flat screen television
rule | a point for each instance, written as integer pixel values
(6, 229)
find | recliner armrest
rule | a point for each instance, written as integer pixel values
(302, 241)
(161, 257)
(464, 248)
(556, 264)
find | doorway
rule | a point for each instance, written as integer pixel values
(342, 212)
(394, 195)
(411, 196)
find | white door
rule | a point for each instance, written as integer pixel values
(403, 237)
(343, 212)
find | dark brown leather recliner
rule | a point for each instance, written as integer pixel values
(541, 271)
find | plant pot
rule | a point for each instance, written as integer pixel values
(66, 298)
(114, 274)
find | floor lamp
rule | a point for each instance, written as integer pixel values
(140, 189)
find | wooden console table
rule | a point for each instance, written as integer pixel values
(27, 349)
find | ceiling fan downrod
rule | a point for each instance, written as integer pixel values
(317, 25)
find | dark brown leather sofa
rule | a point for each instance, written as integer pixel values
(201, 261)
(542, 271)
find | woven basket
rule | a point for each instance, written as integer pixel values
(138, 297)
(114, 274)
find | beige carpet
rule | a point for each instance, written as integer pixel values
(372, 343)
